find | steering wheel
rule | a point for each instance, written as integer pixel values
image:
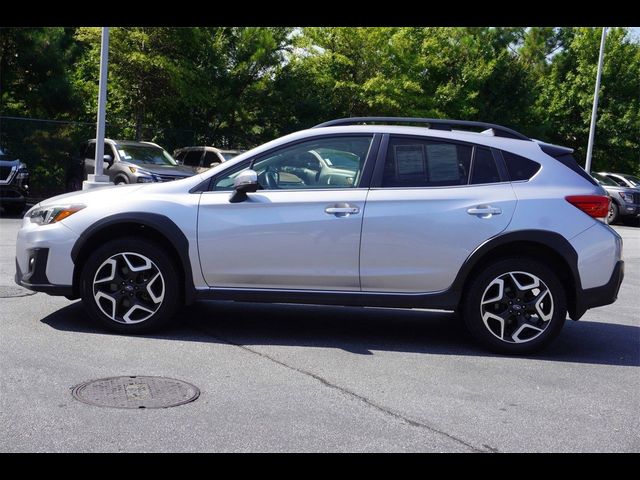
(272, 179)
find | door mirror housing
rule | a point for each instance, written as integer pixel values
(108, 159)
(245, 182)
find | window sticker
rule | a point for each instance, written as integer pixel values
(443, 162)
(410, 161)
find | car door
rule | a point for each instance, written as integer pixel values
(297, 232)
(431, 204)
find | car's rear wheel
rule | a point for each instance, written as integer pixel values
(130, 285)
(515, 306)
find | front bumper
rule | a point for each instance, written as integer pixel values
(43, 257)
(35, 278)
(629, 209)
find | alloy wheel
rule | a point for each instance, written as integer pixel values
(128, 288)
(517, 307)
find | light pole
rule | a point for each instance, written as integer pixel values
(98, 179)
(594, 111)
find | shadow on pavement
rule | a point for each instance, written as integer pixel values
(363, 330)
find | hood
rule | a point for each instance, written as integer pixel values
(10, 163)
(177, 170)
(611, 188)
(94, 195)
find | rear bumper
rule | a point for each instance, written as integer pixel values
(599, 296)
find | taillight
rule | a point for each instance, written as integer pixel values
(596, 206)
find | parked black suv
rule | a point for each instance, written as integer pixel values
(14, 183)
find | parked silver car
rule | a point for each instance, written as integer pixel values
(203, 158)
(508, 231)
(127, 161)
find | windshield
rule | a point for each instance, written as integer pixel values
(145, 154)
(635, 181)
(602, 180)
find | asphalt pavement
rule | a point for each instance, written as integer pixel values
(290, 378)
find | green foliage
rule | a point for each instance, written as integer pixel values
(238, 87)
(566, 95)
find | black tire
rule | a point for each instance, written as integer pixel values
(501, 336)
(614, 213)
(135, 300)
(121, 181)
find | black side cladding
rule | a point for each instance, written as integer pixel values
(565, 157)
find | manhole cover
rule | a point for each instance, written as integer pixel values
(136, 392)
(7, 291)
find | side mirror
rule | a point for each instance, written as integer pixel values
(109, 160)
(245, 182)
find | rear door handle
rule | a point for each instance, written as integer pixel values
(342, 210)
(484, 211)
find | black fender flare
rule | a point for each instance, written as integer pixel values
(158, 222)
(554, 241)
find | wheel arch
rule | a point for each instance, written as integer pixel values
(548, 247)
(155, 227)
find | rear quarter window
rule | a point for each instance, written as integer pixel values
(519, 168)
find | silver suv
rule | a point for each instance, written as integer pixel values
(127, 161)
(508, 231)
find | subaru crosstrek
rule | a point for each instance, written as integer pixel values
(506, 230)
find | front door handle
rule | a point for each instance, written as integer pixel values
(342, 210)
(484, 211)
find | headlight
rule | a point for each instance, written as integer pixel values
(627, 197)
(47, 215)
(22, 172)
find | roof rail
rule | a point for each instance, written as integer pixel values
(434, 123)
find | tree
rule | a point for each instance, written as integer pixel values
(566, 95)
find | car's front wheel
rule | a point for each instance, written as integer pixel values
(515, 306)
(130, 285)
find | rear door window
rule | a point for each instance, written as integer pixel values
(413, 162)
(484, 167)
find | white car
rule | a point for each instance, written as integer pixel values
(507, 230)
